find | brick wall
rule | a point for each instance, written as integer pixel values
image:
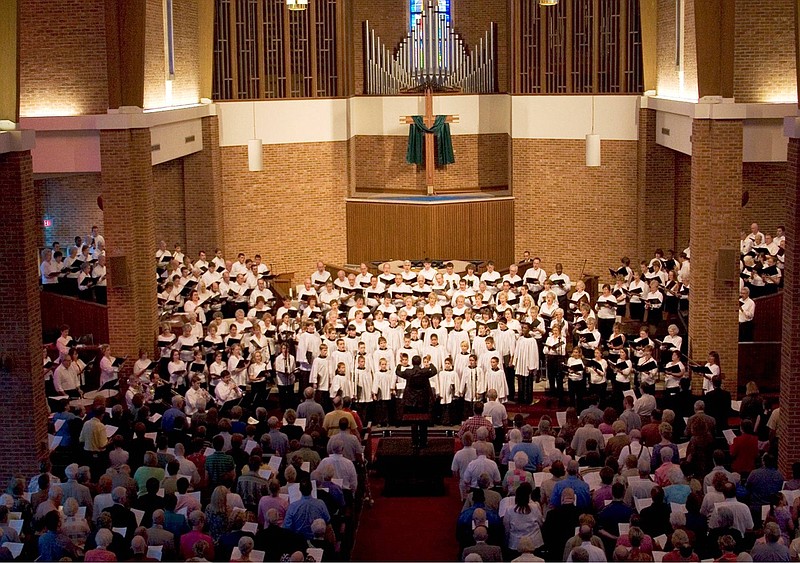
(23, 408)
(292, 213)
(683, 199)
(716, 193)
(186, 85)
(566, 212)
(481, 162)
(656, 192)
(668, 81)
(766, 184)
(129, 202)
(71, 203)
(169, 209)
(764, 59)
(62, 67)
(202, 174)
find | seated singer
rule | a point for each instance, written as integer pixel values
(418, 399)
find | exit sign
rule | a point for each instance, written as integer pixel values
(48, 223)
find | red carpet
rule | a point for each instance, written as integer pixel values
(408, 528)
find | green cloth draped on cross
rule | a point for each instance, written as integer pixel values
(415, 154)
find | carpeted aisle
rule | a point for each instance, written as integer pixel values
(408, 528)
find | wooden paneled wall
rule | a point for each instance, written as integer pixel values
(448, 231)
(83, 317)
(264, 50)
(575, 47)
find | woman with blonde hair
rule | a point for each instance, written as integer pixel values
(218, 514)
(752, 404)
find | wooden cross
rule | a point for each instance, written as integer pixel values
(430, 154)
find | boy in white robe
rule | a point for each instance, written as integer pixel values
(383, 389)
(526, 363)
(320, 377)
(496, 379)
(362, 379)
(472, 384)
(341, 384)
(447, 385)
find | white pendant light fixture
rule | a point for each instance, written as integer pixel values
(255, 154)
(548, 2)
(593, 144)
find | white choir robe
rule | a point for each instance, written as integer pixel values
(363, 385)
(341, 383)
(485, 360)
(479, 345)
(440, 332)
(320, 373)
(473, 383)
(367, 363)
(526, 356)
(505, 341)
(379, 355)
(371, 340)
(382, 384)
(437, 354)
(351, 344)
(454, 340)
(496, 379)
(345, 357)
(394, 337)
(447, 386)
(461, 361)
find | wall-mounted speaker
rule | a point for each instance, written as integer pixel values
(118, 272)
(727, 265)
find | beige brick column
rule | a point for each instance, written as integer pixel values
(789, 425)
(129, 210)
(716, 196)
(202, 180)
(23, 408)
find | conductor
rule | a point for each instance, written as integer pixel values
(418, 399)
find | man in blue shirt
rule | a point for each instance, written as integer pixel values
(763, 484)
(53, 545)
(303, 512)
(614, 514)
(168, 419)
(583, 497)
(534, 451)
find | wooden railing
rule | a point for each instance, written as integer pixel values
(760, 362)
(83, 317)
(768, 319)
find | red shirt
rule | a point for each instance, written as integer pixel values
(744, 452)
(189, 539)
(650, 434)
(357, 418)
(673, 555)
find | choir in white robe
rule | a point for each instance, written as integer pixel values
(382, 384)
(473, 383)
(526, 355)
(363, 385)
(496, 379)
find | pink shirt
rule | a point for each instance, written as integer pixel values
(99, 555)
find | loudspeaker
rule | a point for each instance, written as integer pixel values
(727, 265)
(118, 273)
